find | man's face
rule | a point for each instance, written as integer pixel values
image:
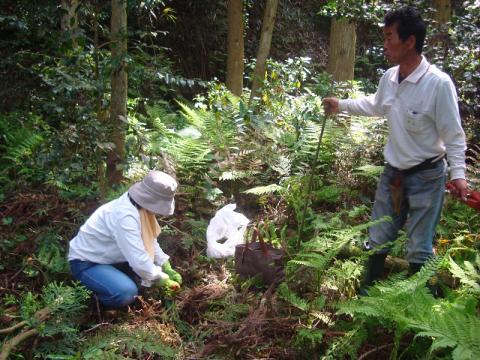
(395, 49)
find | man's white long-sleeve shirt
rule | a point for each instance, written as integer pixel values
(112, 235)
(423, 117)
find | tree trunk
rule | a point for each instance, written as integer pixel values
(264, 46)
(118, 103)
(341, 56)
(69, 21)
(442, 16)
(443, 11)
(235, 47)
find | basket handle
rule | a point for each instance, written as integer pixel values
(256, 234)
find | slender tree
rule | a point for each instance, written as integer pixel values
(341, 56)
(118, 103)
(69, 21)
(235, 47)
(264, 46)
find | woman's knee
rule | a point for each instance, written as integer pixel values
(112, 287)
(124, 295)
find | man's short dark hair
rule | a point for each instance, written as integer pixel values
(409, 22)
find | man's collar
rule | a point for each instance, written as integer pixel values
(416, 75)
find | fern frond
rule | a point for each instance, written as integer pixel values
(283, 165)
(318, 259)
(307, 143)
(16, 141)
(194, 117)
(220, 129)
(369, 171)
(321, 250)
(450, 327)
(189, 155)
(262, 190)
(470, 276)
(306, 337)
(23, 146)
(286, 294)
(345, 345)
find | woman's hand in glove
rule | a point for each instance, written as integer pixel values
(167, 268)
(168, 284)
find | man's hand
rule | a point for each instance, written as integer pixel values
(330, 105)
(459, 188)
(473, 200)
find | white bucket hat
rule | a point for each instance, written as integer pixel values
(155, 192)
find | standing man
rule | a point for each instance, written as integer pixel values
(420, 104)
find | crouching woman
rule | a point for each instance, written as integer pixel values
(119, 242)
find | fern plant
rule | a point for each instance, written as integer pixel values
(116, 342)
(17, 144)
(54, 312)
(214, 135)
(306, 338)
(403, 305)
(318, 252)
(450, 327)
(218, 128)
(308, 335)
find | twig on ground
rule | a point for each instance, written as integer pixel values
(173, 227)
(364, 355)
(15, 275)
(96, 326)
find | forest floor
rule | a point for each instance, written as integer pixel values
(215, 315)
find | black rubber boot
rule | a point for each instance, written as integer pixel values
(413, 268)
(375, 266)
(431, 284)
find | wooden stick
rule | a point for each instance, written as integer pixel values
(40, 315)
(9, 345)
(364, 355)
(13, 327)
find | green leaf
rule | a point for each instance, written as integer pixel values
(463, 353)
(7, 220)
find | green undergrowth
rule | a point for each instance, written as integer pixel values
(263, 158)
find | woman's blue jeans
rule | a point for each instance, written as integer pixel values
(112, 286)
(423, 193)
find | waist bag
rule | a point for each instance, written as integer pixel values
(259, 258)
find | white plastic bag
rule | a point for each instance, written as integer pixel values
(226, 224)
